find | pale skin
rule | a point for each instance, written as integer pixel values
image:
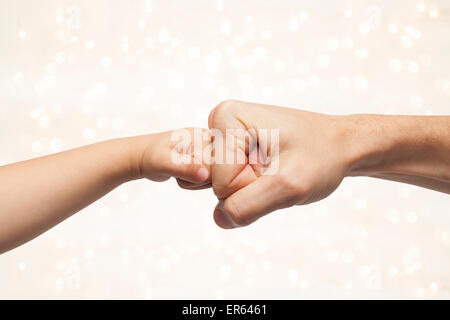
(37, 194)
(316, 152)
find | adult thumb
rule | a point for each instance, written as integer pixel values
(250, 203)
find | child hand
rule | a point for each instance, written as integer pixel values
(174, 154)
(30, 206)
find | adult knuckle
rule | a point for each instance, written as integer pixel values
(292, 185)
(226, 105)
(220, 190)
(223, 108)
(235, 212)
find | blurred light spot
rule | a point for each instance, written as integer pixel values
(124, 197)
(293, 24)
(421, 292)
(393, 28)
(434, 13)
(239, 40)
(304, 15)
(142, 23)
(89, 254)
(148, 6)
(148, 293)
(362, 54)
(411, 217)
(219, 5)
(125, 46)
(266, 34)
(55, 145)
(60, 57)
(420, 7)
(293, 276)
(59, 18)
(304, 284)
(35, 113)
(37, 146)
(225, 271)
(89, 45)
(433, 287)
(225, 28)
(89, 133)
(164, 35)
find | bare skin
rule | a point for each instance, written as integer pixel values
(317, 151)
(37, 194)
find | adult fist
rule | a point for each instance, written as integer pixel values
(303, 164)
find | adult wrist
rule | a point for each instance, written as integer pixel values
(371, 143)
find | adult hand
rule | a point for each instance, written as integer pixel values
(312, 155)
(315, 152)
(311, 160)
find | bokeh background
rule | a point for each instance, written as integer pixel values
(76, 72)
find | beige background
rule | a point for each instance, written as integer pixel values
(75, 72)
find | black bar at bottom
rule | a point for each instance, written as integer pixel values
(221, 309)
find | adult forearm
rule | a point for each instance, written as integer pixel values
(410, 149)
